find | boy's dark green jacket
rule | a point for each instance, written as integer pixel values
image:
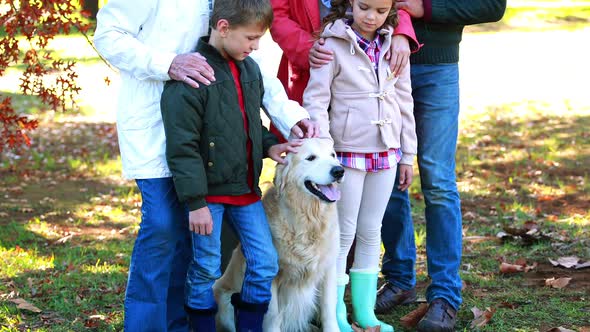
(205, 136)
(441, 28)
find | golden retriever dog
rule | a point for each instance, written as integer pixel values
(301, 211)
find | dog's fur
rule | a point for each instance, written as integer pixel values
(305, 232)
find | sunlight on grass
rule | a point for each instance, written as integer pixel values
(103, 168)
(44, 229)
(95, 215)
(17, 260)
(101, 268)
(420, 237)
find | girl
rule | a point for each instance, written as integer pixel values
(371, 122)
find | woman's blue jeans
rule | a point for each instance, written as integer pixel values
(436, 109)
(154, 300)
(251, 227)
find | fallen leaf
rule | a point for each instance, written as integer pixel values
(23, 304)
(531, 225)
(478, 238)
(357, 328)
(16, 190)
(560, 329)
(567, 262)
(411, 319)
(508, 305)
(527, 268)
(557, 283)
(481, 318)
(510, 268)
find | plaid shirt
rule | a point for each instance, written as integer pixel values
(370, 162)
(371, 48)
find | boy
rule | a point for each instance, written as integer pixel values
(215, 146)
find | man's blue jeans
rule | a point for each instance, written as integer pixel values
(251, 227)
(436, 109)
(154, 300)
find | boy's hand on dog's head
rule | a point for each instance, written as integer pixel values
(275, 152)
(406, 175)
(200, 221)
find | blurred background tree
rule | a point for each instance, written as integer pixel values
(26, 29)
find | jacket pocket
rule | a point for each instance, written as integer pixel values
(351, 122)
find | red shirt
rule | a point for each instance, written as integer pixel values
(250, 197)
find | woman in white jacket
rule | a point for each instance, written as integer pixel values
(371, 122)
(150, 42)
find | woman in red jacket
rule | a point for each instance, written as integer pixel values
(293, 28)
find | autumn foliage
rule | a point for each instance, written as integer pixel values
(27, 28)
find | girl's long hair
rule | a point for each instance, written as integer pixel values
(339, 9)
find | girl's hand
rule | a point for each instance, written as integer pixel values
(275, 151)
(399, 54)
(319, 55)
(306, 128)
(200, 221)
(406, 175)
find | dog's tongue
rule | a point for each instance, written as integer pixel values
(331, 192)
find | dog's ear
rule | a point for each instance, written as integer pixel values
(281, 172)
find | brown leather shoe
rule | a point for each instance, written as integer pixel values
(440, 317)
(390, 296)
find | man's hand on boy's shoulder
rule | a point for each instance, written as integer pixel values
(200, 221)
(275, 152)
(191, 68)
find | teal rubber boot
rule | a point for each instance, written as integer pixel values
(341, 306)
(363, 285)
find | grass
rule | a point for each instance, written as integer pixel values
(68, 221)
(515, 169)
(539, 15)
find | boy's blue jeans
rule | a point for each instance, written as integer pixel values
(436, 109)
(251, 227)
(154, 300)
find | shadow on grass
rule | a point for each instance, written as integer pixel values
(536, 162)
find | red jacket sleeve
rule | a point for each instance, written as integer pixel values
(404, 27)
(293, 39)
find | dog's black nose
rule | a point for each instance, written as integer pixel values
(337, 172)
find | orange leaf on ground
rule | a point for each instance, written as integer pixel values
(481, 318)
(510, 268)
(23, 304)
(557, 283)
(411, 319)
(508, 305)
